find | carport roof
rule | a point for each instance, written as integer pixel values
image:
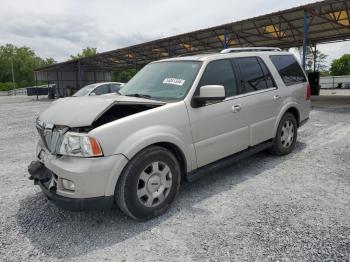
(327, 21)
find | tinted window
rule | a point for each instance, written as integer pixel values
(101, 90)
(252, 75)
(289, 69)
(114, 88)
(220, 73)
(269, 80)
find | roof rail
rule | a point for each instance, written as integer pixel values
(249, 49)
(201, 53)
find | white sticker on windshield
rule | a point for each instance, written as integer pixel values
(174, 81)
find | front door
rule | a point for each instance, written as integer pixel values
(218, 129)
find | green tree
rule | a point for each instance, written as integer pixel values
(341, 66)
(321, 59)
(21, 61)
(124, 75)
(86, 52)
(48, 61)
(318, 63)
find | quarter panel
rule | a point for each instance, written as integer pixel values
(288, 104)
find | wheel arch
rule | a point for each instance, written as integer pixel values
(294, 111)
(174, 149)
(291, 108)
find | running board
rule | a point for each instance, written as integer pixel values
(227, 161)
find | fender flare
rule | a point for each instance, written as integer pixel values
(284, 109)
(152, 135)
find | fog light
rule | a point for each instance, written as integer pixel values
(68, 185)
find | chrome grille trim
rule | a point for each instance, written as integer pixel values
(51, 135)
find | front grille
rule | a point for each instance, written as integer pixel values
(51, 135)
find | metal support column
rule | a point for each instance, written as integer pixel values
(79, 74)
(135, 62)
(62, 85)
(225, 40)
(58, 85)
(314, 51)
(305, 38)
(48, 82)
(36, 84)
(169, 54)
(47, 79)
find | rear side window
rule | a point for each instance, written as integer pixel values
(268, 77)
(254, 74)
(100, 90)
(289, 69)
(114, 88)
(220, 72)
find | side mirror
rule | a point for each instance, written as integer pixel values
(92, 94)
(209, 93)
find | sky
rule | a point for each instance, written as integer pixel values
(60, 28)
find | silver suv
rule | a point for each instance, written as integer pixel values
(177, 119)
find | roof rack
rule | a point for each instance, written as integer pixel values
(249, 49)
(201, 53)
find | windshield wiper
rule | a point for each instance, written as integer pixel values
(139, 95)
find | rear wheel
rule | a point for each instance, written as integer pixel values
(286, 135)
(149, 183)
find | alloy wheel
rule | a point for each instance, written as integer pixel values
(154, 184)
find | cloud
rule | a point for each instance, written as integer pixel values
(59, 37)
(61, 28)
(67, 28)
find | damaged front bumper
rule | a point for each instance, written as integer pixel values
(43, 177)
(94, 179)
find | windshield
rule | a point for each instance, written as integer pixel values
(85, 90)
(163, 80)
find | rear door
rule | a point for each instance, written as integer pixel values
(260, 96)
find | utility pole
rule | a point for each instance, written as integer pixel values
(13, 74)
(315, 57)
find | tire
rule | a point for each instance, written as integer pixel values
(286, 135)
(148, 184)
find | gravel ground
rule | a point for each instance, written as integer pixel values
(265, 208)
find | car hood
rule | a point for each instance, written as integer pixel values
(83, 111)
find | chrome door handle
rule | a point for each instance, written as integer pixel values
(236, 108)
(276, 97)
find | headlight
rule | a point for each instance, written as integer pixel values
(81, 145)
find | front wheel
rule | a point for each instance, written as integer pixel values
(286, 135)
(149, 183)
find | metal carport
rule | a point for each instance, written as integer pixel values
(319, 22)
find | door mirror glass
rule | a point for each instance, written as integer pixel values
(212, 92)
(92, 94)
